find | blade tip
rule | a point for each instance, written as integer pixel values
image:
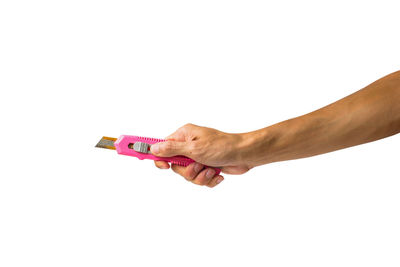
(106, 142)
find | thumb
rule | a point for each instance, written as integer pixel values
(168, 148)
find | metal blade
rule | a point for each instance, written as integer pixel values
(107, 142)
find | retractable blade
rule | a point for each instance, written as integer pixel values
(107, 142)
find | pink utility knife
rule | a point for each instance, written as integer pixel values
(139, 147)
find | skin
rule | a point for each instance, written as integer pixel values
(367, 115)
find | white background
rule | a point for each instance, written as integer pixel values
(73, 71)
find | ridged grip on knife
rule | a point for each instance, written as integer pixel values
(124, 143)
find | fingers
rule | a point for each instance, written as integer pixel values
(204, 177)
(215, 181)
(161, 164)
(168, 148)
(189, 172)
(181, 143)
(197, 174)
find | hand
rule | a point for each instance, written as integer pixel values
(207, 147)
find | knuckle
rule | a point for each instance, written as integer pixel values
(193, 170)
(167, 146)
(183, 128)
(190, 175)
(161, 150)
(189, 126)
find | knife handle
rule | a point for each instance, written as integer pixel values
(125, 145)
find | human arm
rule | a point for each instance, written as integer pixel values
(367, 115)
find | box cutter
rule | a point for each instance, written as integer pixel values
(139, 147)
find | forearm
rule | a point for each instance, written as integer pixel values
(367, 115)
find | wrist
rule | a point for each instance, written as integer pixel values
(253, 147)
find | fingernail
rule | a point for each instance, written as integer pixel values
(220, 179)
(198, 167)
(155, 148)
(210, 173)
